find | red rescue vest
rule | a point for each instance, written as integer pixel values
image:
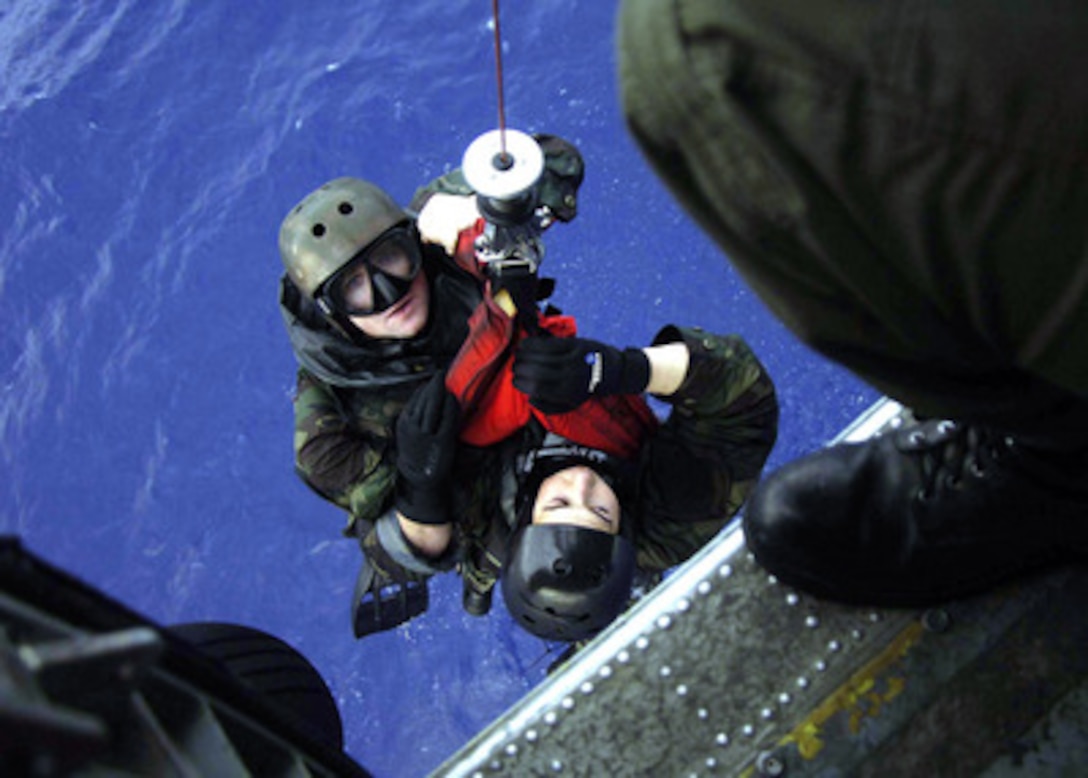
(481, 378)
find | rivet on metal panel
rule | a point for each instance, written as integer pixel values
(725, 571)
(875, 617)
(557, 766)
(812, 622)
(664, 621)
(665, 671)
(586, 687)
(834, 646)
(820, 665)
(703, 714)
(936, 620)
(722, 739)
(683, 605)
(682, 690)
(642, 643)
(802, 682)
(857, 634)
(792, 598)
(623, 657)
(550, 718)
(567, 703)
(772, 579)
(770, 765)
(605, 671)
(748, 730)
(704, 587)
(512, 749)
(531, 735)
(711, 763)
(767, 714)
(785, 698)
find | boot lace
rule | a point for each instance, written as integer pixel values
(951, 454)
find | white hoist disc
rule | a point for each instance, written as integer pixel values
(492, 180)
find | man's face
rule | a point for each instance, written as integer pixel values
(382, 290)
(405, 319)
(577, 496)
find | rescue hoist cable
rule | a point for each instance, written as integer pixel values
(504, 160)
(505, 167)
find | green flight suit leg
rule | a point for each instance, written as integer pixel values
(904, 184)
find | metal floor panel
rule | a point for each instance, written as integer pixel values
(723, 671)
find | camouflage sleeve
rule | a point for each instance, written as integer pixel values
(708, 455)
(346, 453)
(452, 182)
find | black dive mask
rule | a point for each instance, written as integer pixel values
(377, 277)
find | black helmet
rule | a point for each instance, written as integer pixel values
(567, 583)
(563, 582)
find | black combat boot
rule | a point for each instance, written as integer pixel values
(926, 513)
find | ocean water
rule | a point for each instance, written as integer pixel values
(149, 152)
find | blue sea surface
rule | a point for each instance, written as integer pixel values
(150, 151)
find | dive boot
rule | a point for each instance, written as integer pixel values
(930, 512)
(385, 599)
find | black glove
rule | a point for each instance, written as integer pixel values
(559, 374)
(426, 445)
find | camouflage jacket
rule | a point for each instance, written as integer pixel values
(349, 396)
(349, 393)
(701, 464)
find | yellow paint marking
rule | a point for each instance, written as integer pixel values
(859, 698)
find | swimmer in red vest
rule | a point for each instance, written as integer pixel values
(537, 459)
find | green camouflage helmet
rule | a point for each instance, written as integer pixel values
(330, 226)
